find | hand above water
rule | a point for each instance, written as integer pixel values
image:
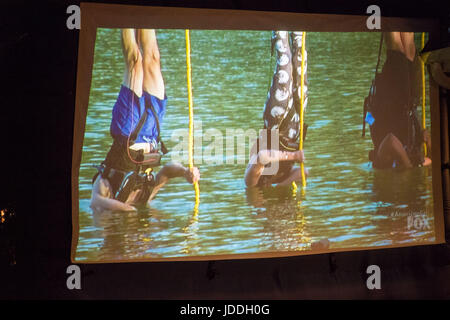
(299, 156)
(192, 175)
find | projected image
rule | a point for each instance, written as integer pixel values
(216, 143)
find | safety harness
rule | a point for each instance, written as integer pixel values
(377, 114)
(142, 177)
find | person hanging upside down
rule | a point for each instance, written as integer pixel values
(125, 178)
(396, 132)
(281, 112)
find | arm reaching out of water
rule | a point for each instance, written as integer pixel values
(102, 198)
(174, 170)
(265, 157)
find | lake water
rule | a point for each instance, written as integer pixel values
(346, 201)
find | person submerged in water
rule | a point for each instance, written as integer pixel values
(281, 114)
(396, 131)
(125, 179)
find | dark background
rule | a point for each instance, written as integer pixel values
(38, 61)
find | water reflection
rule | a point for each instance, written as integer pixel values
(284, 221)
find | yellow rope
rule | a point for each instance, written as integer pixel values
(302, 79)
(302, 98)
(191, 118)
(422, 64)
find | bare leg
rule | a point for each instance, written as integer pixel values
(403, 42)
(133, 76)
(153, 82)
(392, 149)
(408, 44)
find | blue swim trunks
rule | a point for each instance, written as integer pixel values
(127, 111)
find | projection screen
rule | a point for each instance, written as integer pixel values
(262, 116)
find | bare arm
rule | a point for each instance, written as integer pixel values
(263, 157)
(101, 198)
(133, 74)
(174, 170)
(392, 149)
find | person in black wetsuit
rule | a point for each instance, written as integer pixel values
(125, 179)
(396, 132)
(281, 112)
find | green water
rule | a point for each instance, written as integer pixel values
(346, 201)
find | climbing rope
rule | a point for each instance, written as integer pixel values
(191, 118)
(302, 95)
(422, 64)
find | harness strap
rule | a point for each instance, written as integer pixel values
(138, 128)
(368, 99)
(379, 53)
(163, 147)
(122, 183)
(114, 176)
(140, 124)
